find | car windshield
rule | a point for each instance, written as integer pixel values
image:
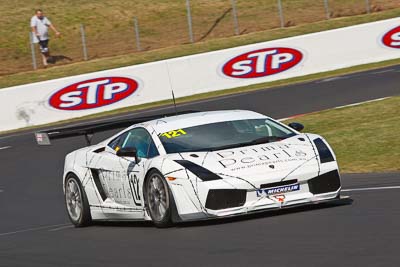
(224, 135)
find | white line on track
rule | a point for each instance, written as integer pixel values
(12, 135)
(345, 106)
(332, 79)
(33, 229)
(360, 103)
(5, 147)
(383, 71)
(371, 188)
(61, 228)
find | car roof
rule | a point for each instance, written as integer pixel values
(200, 118)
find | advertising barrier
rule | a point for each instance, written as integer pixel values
(77, 96)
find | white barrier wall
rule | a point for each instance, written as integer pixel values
(71, 97)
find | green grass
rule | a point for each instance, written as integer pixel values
(163, 29)
(365, 137)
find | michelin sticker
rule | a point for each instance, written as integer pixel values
(277, 190)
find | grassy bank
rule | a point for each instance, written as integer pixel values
(130, 57)
(364, 137)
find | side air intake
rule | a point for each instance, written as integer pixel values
(96, 179)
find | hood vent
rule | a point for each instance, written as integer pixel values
(201, 172)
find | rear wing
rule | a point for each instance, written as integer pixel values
(87, 130)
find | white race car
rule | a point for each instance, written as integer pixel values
(196, 166)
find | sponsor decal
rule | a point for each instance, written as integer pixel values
(392, 38)
(267, 155)
(39, 137)
(173, 134)
(93, 93)
(42, 139)
(134, 185)
(263, 192)
(263, 62)
(122, 187)
(280, 198)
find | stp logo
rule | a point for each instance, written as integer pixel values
(392, 38)
(93, 93)
(263, 62)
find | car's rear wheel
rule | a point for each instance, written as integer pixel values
(159, 200)
(76, 201)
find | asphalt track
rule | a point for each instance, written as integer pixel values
(35, 231)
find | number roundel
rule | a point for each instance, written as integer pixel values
(173, 133)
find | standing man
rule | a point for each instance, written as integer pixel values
(40, 29)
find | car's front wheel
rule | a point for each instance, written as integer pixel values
(76, 201)
(159, 200)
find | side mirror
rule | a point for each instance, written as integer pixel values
(128, 152)
(297, 126)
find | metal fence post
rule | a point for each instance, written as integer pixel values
(280, 10)
(326, 4)
(34, 64)
(189, 18)
(137, 35)
(83, 35)
(235, 18)
(367, 6)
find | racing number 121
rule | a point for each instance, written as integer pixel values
(174, 133)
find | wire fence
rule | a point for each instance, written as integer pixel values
(190, 22)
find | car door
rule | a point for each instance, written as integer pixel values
(122, 177)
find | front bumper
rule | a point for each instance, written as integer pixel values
(222, 202)
(338, 200)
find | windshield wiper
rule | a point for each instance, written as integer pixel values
(266, 139)
(261, 140)
(253, 142)
(229, 146)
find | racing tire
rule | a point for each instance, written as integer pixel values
(159, 200)
(76, 202)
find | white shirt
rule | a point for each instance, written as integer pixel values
(42, 27)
